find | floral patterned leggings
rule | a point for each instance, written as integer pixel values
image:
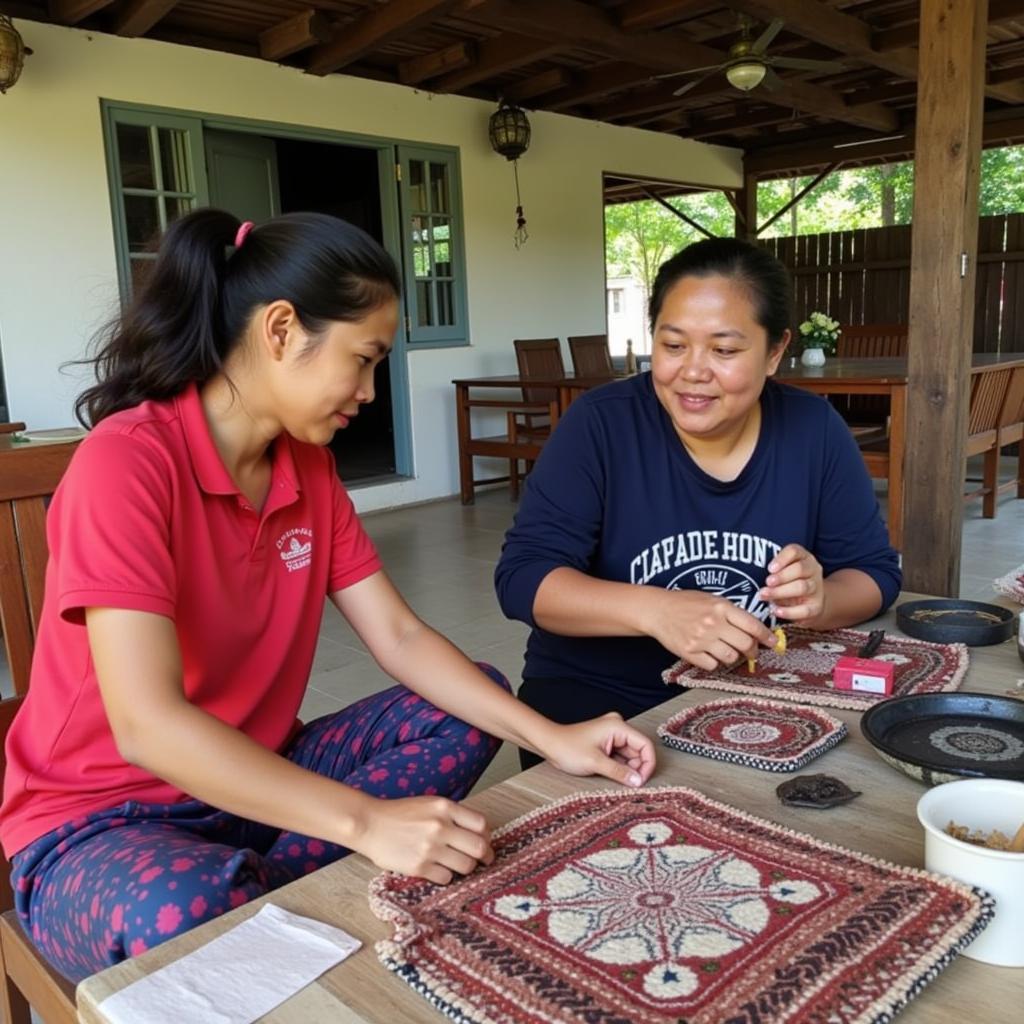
(113, 884)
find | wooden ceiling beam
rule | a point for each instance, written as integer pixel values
(596, 83)
(374, 29)
(497, 56)
(584, 27)
(1000, 128)
(71, 12)
(644, 15)
(907, 35)
(659, 98)
(139, 16)
(853, 38)
(430, 65)
(703, 127)
(539, 85)
(850, 36)
(302, 30)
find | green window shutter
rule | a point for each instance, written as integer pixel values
(433, 251)
(157, 172)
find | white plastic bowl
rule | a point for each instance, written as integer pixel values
(981, 804)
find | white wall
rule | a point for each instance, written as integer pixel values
(58, 276)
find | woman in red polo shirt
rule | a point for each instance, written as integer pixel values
(156, 773)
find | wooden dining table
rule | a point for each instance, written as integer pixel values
(889, 377)
(882, 822)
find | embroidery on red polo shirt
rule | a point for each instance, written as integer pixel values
(296, 548)
(668, 906)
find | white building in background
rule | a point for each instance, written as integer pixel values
(627, 316)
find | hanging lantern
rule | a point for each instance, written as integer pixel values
(12, 53)
(509, 132)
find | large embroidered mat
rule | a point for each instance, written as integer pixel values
(765, 734)
(666, 906)
(803, 672)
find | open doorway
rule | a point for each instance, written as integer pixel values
(257, 176)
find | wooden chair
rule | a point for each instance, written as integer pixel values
(535, 357)
(10, 428)
(1011, 431)
(868, 415)
(28, 476)
(510, 445)
(590, 355)
(872, 341)
(988, 396)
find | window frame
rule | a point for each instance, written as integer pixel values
(115, 114)
(437, 335)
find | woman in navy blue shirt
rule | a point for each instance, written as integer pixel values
(672, 514)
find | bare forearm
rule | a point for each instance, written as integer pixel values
(434, 668)
(217, 764)
(571, 603)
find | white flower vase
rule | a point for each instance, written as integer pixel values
(813, 357)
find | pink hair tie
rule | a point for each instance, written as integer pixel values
(243, 232)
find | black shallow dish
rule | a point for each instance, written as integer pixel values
(939, 737)
(952, 621)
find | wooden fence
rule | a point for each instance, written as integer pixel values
(863, 277)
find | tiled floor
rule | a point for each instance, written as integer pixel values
(441, 557)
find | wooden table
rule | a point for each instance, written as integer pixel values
(880, 377)
(882, 822)
(565, 388)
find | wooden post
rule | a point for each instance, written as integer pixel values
(947, 144)
(746, 214)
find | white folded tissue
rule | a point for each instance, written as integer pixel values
(237, 977)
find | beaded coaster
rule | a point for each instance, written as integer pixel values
(765, 734)
(665, 906)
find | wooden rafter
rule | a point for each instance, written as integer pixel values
(373, 29)
(584, 27)
(307, 28)
(907, 35)
(643, 15)
(496, 56)
(599, 82)
(852, 38)
(1000, 128)
(702, 127)
(539, 85)
(430, 65)
(71, 12)
(139, 16)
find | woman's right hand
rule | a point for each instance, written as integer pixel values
(425, 836)
(705, 630)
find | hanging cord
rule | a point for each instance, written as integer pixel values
(521, 234)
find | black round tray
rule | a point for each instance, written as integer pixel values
(936, 737)
(950, 620)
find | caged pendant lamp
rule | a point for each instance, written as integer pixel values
(12, 53)
(509, 132)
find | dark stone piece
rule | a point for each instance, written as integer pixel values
(815, 791)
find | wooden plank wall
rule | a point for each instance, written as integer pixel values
(863, 277)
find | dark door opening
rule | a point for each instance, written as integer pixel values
(326, 178)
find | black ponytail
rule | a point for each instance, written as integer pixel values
(201, 292)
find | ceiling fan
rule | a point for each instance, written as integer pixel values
(747, 64)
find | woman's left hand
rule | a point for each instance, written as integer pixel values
(795, 585)
(605, 746)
